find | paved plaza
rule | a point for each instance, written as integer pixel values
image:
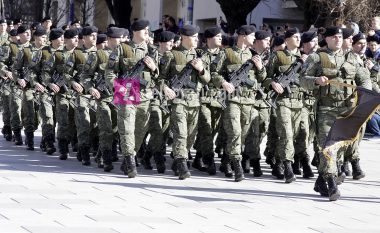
(39, 193)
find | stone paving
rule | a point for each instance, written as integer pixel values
(39, 193)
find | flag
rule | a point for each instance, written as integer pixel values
(127, 91)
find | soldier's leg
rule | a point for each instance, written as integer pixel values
(205, 143)
(29, 117)
(5, 100)
(106, 135)
(46, 113)
(82, 120)
(15, 107)
(352, 155)
(272, 140)
(94, 130)
(63, 125)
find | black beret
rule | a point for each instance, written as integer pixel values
(3, 21)
(347, 32)
(166, 36)
(10, 22)
(40, 31)
(125, 32)
(46, 18)
(189, 30)
(332, 30)
(71, 33)
(22, 28)
(55, 34)
(100, 38)
(176, 38)
(290, 32)
(115, 32)
(88, 30)
(212, 31)
(13, 32)
(262, 34)
(373, 38)
(278, 40)
(139, 25)
(35, 25)
(246, 30)
(308, 36)
(322, 43)
(357, 37)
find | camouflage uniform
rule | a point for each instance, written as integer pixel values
(5, 87)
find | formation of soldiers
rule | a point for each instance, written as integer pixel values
(98, 91)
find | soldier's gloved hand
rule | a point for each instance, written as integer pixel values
(22, 83)
(95, 93)
(169, 93)
(150, 63)
(277, 87)
(54, 87)
(322, 81)
(258, 62)
(9, 75)
(369, 64)
(304, 57)
(39, 87)
(228, 87)
(77, 87)
(197, 64)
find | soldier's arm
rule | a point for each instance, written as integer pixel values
(205, 76)
(261, 74)
(270, 71)
(310, 72)
(219, 70)
(89, 69)
(112, 68)
(155, 74)
(48, 67)
(3, 59)
(165, 72)
(362, 77)
(18, 65)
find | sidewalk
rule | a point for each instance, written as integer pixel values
(39, 193)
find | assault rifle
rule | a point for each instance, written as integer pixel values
(59, 80)
(100, 84)
(50, 95)
(287, 78)
(163, 101)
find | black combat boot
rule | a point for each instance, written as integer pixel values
(99, 158)
(320, 186)
(210, 164)
(43, 144)
(256, 168)
(115, 158)
(145, 160)
(85, 153)
(245, 163)
(198, 162)
(7, 132)
(346, 168)
(278, 170)
(17, 138)
(129, 166)
(307, 172)
(189, 156)
(341, 175)
(107, 160)
(296, 165)
(159, 159)
(219, 151)
(270, 160)
(95, 145)
(225, 166)
(74, 144)
(334, 193)
(174, 167)
(30, 140)
(289, 175)
(238, 170)
(357, 172)
(49, 142)
(63, 149)
(183, 170)
(315, 160)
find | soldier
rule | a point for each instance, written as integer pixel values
(240, 113)
(101, 42)
(26, 60)
(94, 82)
(159, 119)
(186, 103)
(133, 118)
(290, 104)
(347, 39)
(46, 24)
(333, 101)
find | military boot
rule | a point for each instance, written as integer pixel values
(219, 151)
(79, 155)
(115, 158)
(245, 163)
(85, 153)
(270, 160)
(145, 160)
(307, 172)
(256, 168)
(129, 166)
(30, 140)
(99, 158)
(174, 167)
(210, 164)
(315, 160)
(198, 162)
(346, 168)
(159, 159)
(278, 170)
(320, 186)
(296, 165)
(289, 175)
(43, 144)
(49, 142)
(74, 144)
(95, 145)
(189, 156)
(238, 170)
(7, 132)
(107, 160)
(357, 172)
(334, 193)
(341, 175)
(183, 170)
(63, 149)
(225, 166)
(17, 138)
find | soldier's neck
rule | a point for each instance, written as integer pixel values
(241, 45)
(292, 49)
(137, 40)
(187, 47)
(70, 48)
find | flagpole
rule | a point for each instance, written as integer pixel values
(335, 83)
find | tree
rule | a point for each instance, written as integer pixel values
(236, 12)
(121, 11)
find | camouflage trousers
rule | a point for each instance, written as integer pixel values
(237, 122)
(46, 111)
(15, 106)
(132, 124)
(303, 138)
(271, 149)
(288, 125)
(65, 117)
(257, 133)
(85, 120)
(5, 102)
(158, 128)
(106, 115)
(184, 123)
(29, 118)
